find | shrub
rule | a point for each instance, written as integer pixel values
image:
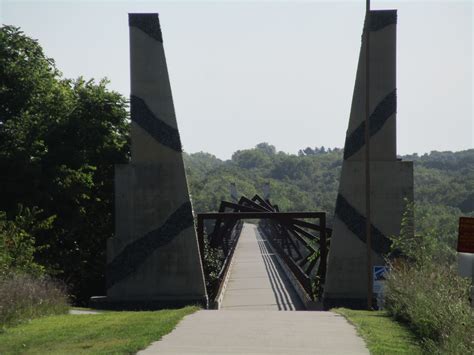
(213, 262)
(424, 290)
(24, 297)
(25, 291)
(433, 239)
(434, 301)
(18, 242)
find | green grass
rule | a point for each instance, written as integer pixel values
(381, 333)
(105, 333)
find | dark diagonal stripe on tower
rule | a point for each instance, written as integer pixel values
(134, 254)
(148, 23)
(355, 222)
(381, 18)
(159, 130)
(356, 140)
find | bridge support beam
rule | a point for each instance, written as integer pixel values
(391, 179)
(153, 260)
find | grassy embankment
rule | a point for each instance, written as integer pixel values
(105, 333)
(381, 333)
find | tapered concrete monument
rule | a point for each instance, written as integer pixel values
(391, 179)
(153, 261)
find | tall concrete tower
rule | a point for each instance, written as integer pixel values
(153, 261)
(391, 179)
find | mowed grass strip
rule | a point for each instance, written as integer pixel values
(105, 333)
(381, 333)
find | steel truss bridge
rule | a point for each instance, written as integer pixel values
(278, 262)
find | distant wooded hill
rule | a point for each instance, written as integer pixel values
(444, 181)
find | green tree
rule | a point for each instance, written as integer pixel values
(59, 141)
(266, 148)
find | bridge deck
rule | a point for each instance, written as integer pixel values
(257, 281)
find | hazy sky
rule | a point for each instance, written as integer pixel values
(277, 71)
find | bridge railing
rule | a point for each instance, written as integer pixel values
(217, 249)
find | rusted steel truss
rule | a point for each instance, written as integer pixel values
(301, 244)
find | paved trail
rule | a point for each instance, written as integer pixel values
(256, 279)
(260, 332)
(249, 321)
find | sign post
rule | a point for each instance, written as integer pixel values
(378, 286)
(368, 223)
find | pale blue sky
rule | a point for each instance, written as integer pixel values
(244, 72)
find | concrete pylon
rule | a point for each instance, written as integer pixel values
(391, 179)
(153, 261)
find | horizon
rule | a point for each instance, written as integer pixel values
(326, 148)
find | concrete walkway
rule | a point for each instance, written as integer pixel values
(257, 281)
(249, 321)
(82, 311)
(260, 332)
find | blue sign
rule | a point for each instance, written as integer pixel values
(380, 272)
